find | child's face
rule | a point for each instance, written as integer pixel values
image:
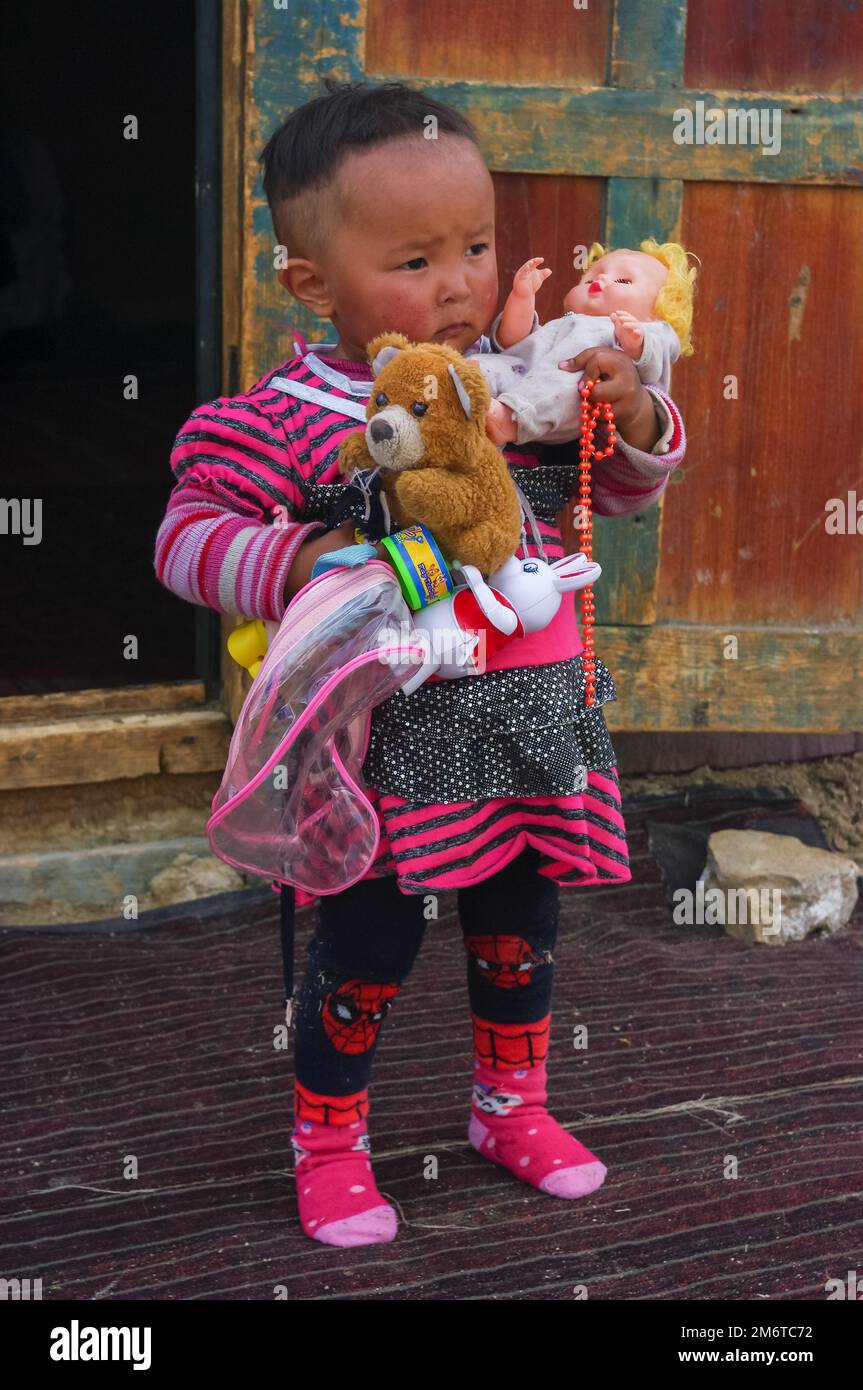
(629, 280)
(412, 250)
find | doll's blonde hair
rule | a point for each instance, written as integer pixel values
(674, 301)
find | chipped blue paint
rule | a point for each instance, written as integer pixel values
(628, 547)
(647, 44)
(646, 52)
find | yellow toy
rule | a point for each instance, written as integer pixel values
(247, 644)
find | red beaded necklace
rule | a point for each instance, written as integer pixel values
(591, 411)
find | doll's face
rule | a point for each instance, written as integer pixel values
(628, 280)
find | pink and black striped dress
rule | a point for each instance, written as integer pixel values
(463, 774)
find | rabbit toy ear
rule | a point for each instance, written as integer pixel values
(575, 572)
(569, 563)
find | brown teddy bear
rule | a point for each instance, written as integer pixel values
(426, 433)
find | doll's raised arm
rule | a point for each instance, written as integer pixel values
(660, 350)
(516, 320)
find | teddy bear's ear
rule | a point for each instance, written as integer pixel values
(381, 358)
(461, 391)
(384, 347)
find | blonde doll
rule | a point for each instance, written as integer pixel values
(638, 301)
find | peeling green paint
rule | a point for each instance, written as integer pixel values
(616, 132)
(628, 547)
(647, 44)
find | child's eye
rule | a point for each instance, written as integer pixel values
(619, 281)
(416, 263)
(479, 247)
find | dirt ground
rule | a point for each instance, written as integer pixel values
(832, 788)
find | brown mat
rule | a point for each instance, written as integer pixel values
(157, 1042)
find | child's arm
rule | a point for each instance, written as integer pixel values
(223, 543)
(632, 480)
(629, 480)
(517, 318)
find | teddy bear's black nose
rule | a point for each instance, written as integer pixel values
(380, 431)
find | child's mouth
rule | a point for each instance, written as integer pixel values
(452, 330)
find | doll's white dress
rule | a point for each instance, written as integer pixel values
(544, 399)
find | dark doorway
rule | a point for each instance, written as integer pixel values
(97, 284)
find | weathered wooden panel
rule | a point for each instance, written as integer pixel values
(771, 45)
(69, 752)
(287, 53)
(545, 215)
(743, 535)
(612, 132)
(594, 132)
(777, 307)
(647, 44)
(679, 677)
(628, 547)
(72, 704)
(549, 41)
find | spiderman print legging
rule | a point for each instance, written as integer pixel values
(366, 942)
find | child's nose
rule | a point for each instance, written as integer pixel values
(455, 284)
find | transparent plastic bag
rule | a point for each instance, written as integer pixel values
(292, 805)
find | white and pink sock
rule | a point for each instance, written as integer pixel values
(337, 1196)
(510, 1125)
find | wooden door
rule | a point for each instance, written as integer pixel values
(736, 604)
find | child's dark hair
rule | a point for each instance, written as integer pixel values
(307, 149)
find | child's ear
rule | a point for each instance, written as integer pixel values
(385, 346)
(305, 283)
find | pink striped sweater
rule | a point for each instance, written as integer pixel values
(234, 520)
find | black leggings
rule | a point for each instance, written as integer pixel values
(367, 940)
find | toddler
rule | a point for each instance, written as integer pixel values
(501, 786)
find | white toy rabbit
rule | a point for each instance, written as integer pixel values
(459, 633)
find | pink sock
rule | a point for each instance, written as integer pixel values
(510, 1125)
(337, 1196)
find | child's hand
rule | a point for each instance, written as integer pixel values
(529, 277)
(629, 333)
(500, 425)
(618, 382)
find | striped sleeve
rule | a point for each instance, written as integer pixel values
(631, 481)
(229, 535)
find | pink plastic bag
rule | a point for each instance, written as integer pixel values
(292, 804)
